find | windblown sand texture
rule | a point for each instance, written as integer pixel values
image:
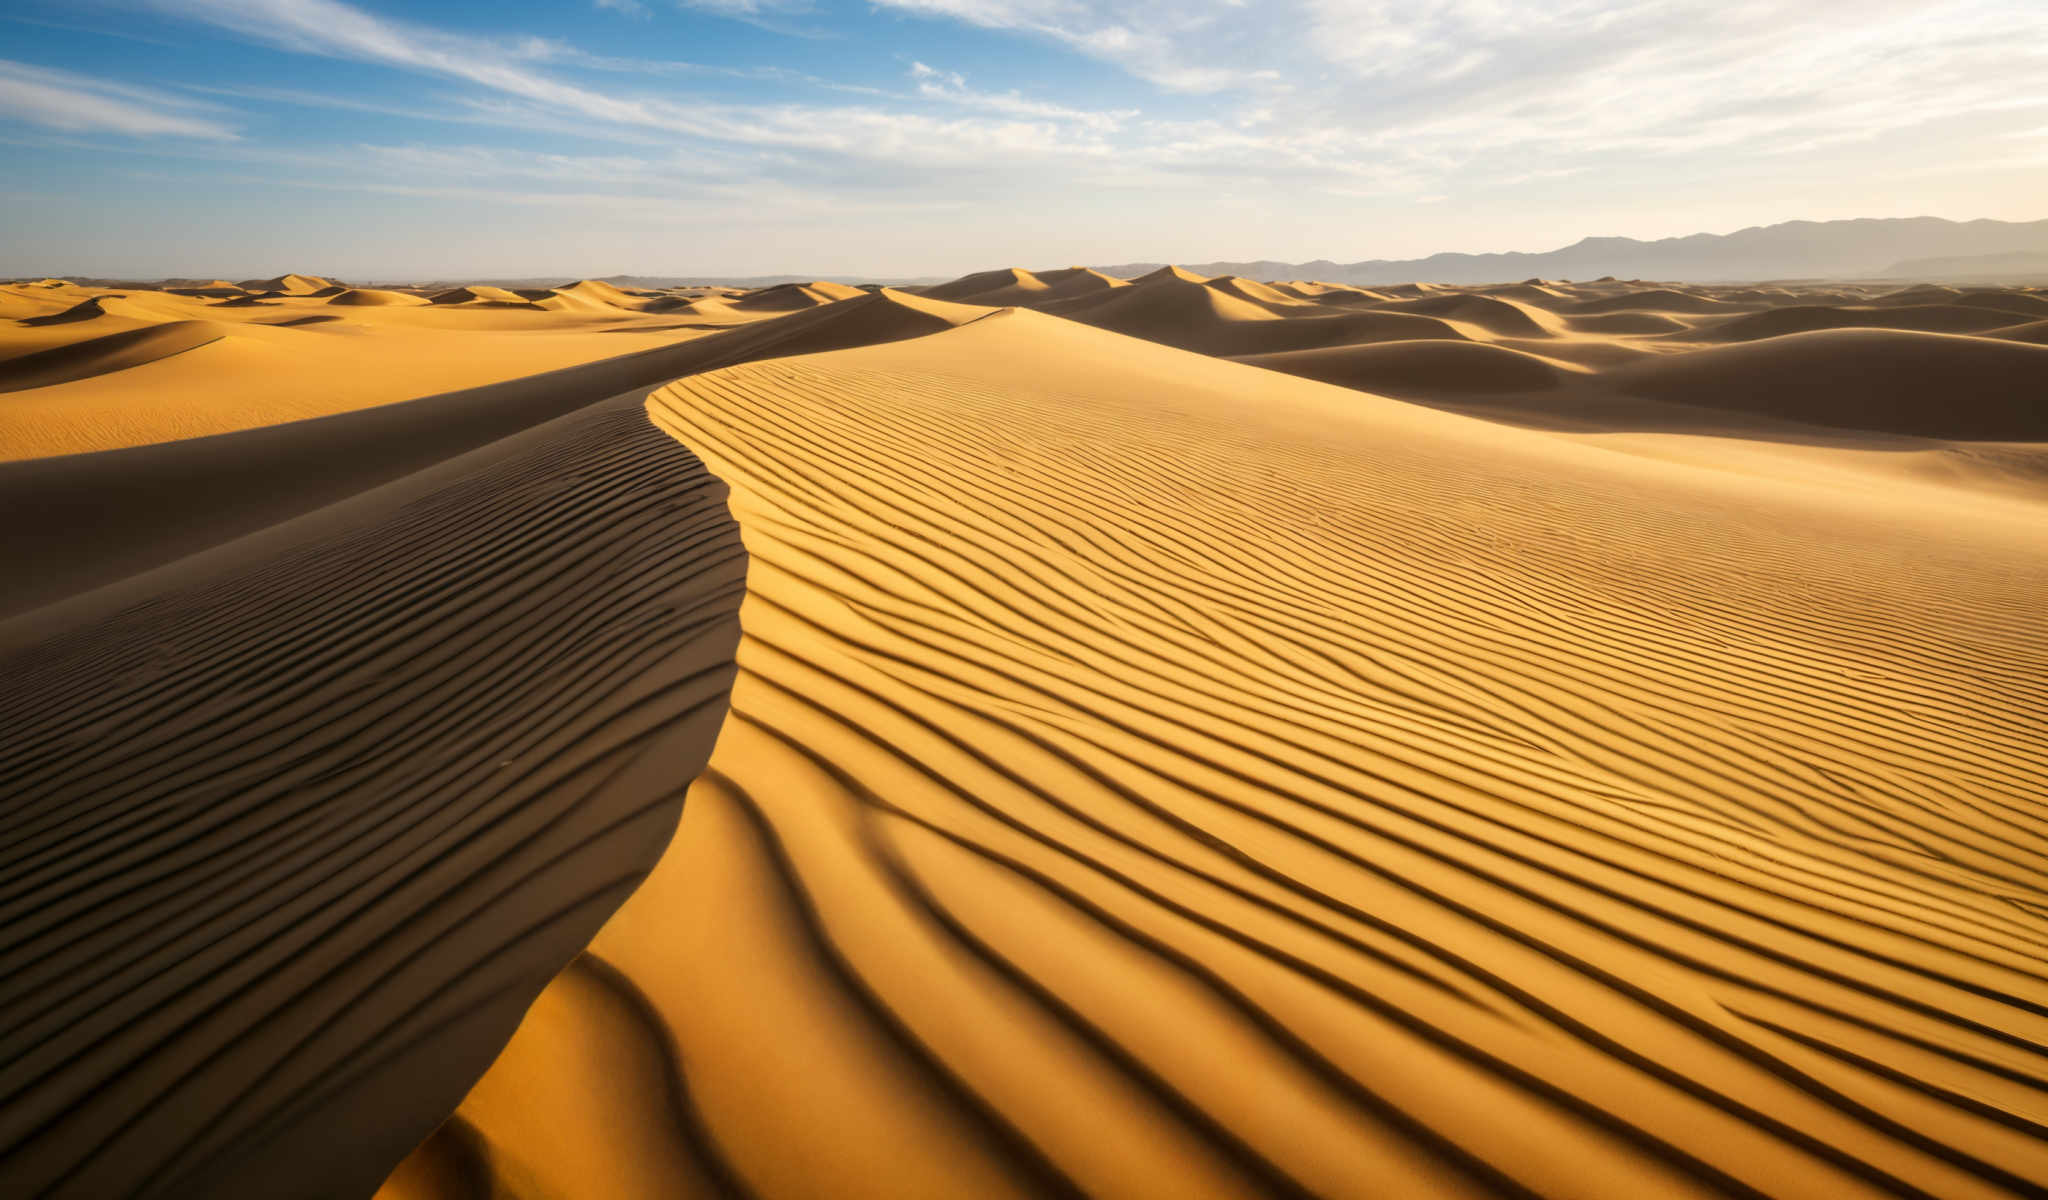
(1546, 739)
(1149, 775)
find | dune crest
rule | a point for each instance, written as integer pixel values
(373, 298)
(290, 285)
(1398, 368)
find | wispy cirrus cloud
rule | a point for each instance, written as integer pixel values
(74, 103)
(1467, 78)
(776, 16)
(518, 68)
(951, 87)
(1366, 96)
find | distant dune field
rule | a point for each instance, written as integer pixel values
(76, 364)
(1188, 737)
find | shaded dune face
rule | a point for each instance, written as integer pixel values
(1397, 368)
(1152, 776)
(291, 838)
(110, 352)
(1926, 384)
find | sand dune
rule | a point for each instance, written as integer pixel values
(603, 293)
(1929, 384)
(290, 285)
(1636, 323)
(2027, 304)
(1010, 281)
(789, 297)
(1654, 300)
(1532, 291)
(373, 298)
(296, 829)
(101, 517)
(484, 295)
(1253, 291)
(1417, 341)
(1155, 776)
(1404, 368)
(866, 319)
(213, 289)
(1503, 318)
(1078, 281)
(1192, 316)
(2035, 332)
(1163, 307)
(110, 352)
(1014, 286)
(1309, 290)
(1802, 318)
(1171, 274)
(84, 310)
(1925, 293)
(112, 369)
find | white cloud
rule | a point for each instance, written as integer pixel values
(515, 68)
(1350, 97)
(1152, 39)
(951, 87)
(632, 8)
(747, 8)
(1463, 79)
(75, 103)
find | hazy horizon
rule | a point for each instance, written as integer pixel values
(932, 137)
(798, 272)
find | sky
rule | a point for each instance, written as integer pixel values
(380, 141)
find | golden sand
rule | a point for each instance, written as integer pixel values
(1544, 739)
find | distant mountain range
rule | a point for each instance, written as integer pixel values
(1898, 248)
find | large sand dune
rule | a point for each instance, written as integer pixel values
(1149, 775)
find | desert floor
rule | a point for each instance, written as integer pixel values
(1188, 737)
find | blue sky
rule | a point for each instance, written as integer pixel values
(377, 140)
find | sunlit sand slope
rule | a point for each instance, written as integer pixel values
(289, 843)
(1153, 776)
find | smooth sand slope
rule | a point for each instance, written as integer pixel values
(293, 831)
(1150, 775)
